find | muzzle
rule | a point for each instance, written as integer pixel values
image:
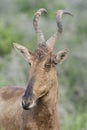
(28, 103)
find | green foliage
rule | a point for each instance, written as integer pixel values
(30, 7)
(8, 35)
(78, 122)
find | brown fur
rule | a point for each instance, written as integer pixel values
(36, 107)
(44, 115)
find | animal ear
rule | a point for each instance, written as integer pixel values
(61, 56)
(23, 51)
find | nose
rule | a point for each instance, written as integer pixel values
(25, 106)
(27, 103)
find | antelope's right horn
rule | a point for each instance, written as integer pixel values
(40, 36)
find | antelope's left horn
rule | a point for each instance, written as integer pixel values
(51, 41)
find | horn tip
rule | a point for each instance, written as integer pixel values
(43, 10)
(67, 12)
(61, 12)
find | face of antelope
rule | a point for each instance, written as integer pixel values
(42, 62)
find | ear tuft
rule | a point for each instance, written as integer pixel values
(19, 47)
(23, 51)
(64, 53)
(15, 45)
(61, 55)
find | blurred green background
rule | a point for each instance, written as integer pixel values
(16, 26)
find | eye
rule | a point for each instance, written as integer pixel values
(47, 65)
(29, 63)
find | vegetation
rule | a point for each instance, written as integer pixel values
(16, 26)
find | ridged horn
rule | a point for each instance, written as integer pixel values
(51, 41)
(40, 36)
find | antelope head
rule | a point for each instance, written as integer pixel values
(42, 62)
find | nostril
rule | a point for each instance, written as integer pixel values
(25, 105)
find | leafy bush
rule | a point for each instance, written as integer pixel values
(76, 122)
(8, 35)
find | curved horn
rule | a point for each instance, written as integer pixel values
(39, 33)
(51, 41)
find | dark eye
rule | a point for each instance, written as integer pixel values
(29, 63)
(47, 65)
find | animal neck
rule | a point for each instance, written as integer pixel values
(50, 99)
(48, 102)
(47, 111)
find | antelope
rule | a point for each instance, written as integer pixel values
(35, 108)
